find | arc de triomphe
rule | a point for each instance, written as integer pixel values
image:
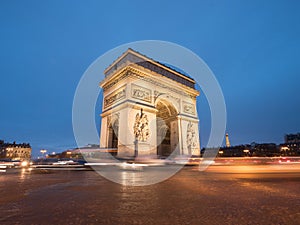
(148, 108)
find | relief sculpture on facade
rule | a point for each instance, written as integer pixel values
(141, 127)
(190, 137)
(141, 93)
(114, 97)
(188, 108)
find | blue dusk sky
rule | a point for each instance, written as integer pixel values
(253, 48)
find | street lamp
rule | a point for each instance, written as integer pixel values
(43, 151)
(284, 149)
(246, 152)
(221, 153)
(69, 154)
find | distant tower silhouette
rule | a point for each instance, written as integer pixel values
(227, 140)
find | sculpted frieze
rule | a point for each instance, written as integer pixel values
(115, 97)
(188, 108)
(141, 93)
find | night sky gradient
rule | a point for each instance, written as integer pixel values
(252, 47)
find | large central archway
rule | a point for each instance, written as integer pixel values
(167, 128)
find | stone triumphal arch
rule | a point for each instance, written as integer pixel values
(148, 109)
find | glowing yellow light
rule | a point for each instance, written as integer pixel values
(24, 163)
(43, 151)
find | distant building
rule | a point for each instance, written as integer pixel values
(235, 151)
(75, 153)
(15, 151)
(255, 149)
(285, 150)
(292, 138)
(265, 149)
(291, 147)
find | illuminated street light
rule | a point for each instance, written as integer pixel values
(69, 154)
(246, 151)
(43, 151)
(24, 164)
(284, 150)
(221, 153)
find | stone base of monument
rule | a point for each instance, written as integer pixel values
(125, 151)
(145, 149)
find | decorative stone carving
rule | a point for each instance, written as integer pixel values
(190, 137)
(141, 93)
(141, 127)
(156, 94)
(174, 100)
(188, 108)
(115, 97)
(131, 72)
(141, 76)
(117, 80)
(112, 118)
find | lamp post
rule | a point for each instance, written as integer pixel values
(221, 153)
(69, 154)
(284, 149)
(43, 151)
(136, 144)
(246, 152)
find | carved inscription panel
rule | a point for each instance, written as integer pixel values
(115, 97)
(141, 93)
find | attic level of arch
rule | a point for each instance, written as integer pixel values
(135, 72)
(133, 58)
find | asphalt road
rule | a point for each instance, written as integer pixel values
(240, 194)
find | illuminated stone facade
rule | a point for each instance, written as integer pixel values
(148, 109)
(15, 151)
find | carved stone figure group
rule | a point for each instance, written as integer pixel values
(141, 127)
(190, 137)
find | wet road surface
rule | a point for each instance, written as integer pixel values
(219, 195)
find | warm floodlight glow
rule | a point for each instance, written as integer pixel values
(24, 163)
